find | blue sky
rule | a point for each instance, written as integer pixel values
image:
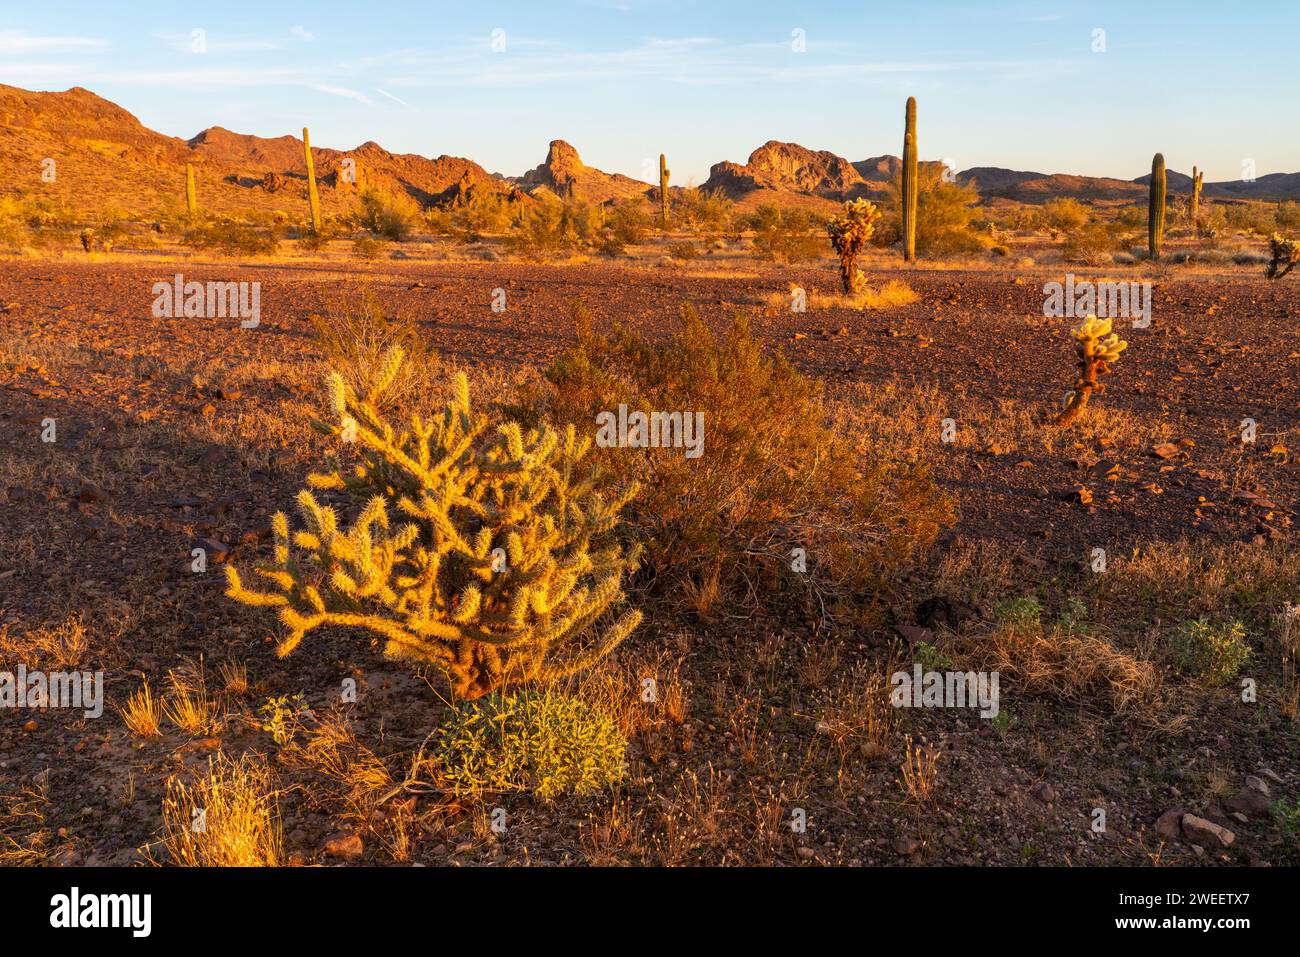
(1013, 84)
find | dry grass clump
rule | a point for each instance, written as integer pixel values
(53, 648)
(1189, 577)
(187, 704)
(25, 837)
(227, 818)
(892, 293)
(356, 334)
(1061, 662)
(142, 713)
(771, 475)
(352, 774)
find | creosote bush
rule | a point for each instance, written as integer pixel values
(542, 741)
(783, 235)
(1213, 652)
(772, 477)
(391, 215)
(479, 547)
(943, 215)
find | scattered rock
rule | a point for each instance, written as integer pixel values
(1249, 802)
(907, 846)
(1169, 824)
(1165, 450)
(1206, 833)
(346, 847)
(1044, 792)
(913, 634)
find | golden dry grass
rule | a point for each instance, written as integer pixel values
(228, 817)
(142, 713)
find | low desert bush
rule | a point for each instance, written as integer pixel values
(477, 547)
(387, 214)
(356, 333)
(944, 216)
(1065, 215)
(1211, 651)
(627, 222)
(784, 235)
(541, 741)
(1092, 244)
(551, 227)
(231, 238)
(239, 813)
(684, 252)
(702, 211)
(771, 475)
(367, 248)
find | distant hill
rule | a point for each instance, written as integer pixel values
(104, 157)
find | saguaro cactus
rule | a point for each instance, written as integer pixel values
(191, 193)
(909, 182)
(1194, 204)
(313, 197)
(663, 191)
(1156, 207)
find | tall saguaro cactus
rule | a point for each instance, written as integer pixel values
(663, 191)
(313, 197)
(1156, 207)
(1194, 204)
(191, 193)
(909, 182)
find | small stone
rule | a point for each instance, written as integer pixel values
(907, 846)
(1206, 833)
(806, 853)
(1168, 825)
(1249, 802)
(1044, 792)
(348, 847)
(1165, 450)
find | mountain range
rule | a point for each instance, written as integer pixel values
(103, 156)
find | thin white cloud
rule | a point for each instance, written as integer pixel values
(395, 99)
(302, 33)
(17, 41)
(342, 91)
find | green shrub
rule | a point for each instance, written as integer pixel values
(702, 211)
(368, 248)
(784, 235)
(627, 222)
(1214, 652)
(391, 215)
(943, 216)
(540, 741)
(483, 213)
(771, 475)
(232, 239)
(1020, 612)
(1065, 215)
(552, 227)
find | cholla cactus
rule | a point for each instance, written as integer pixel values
(1285, 253)
(1097, 348)
(87, 239)
(848, 234)
(498, 560)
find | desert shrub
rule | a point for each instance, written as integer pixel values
(1092, 244)
(502, 563)
(627, 222)
(1065, 215)
(701, 210)
(1287, 216)
(230, 238)
(1254, 218)
(683, 251)
(483, 213)
(783, 235)
(439, 222)
(943, 216)
(240, 816)
(1214, 652)
(551, 227)
(772, 475)
(368, 248)
(848, 234)
(387, 214)
(541, 741)
(356, 334)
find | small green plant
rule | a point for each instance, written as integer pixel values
(540, 741)
(1287, 814)
(1020, 612)
(280, 716)
(1215, 652)
(931, 658)
(1002, 722)
(1074, 614)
